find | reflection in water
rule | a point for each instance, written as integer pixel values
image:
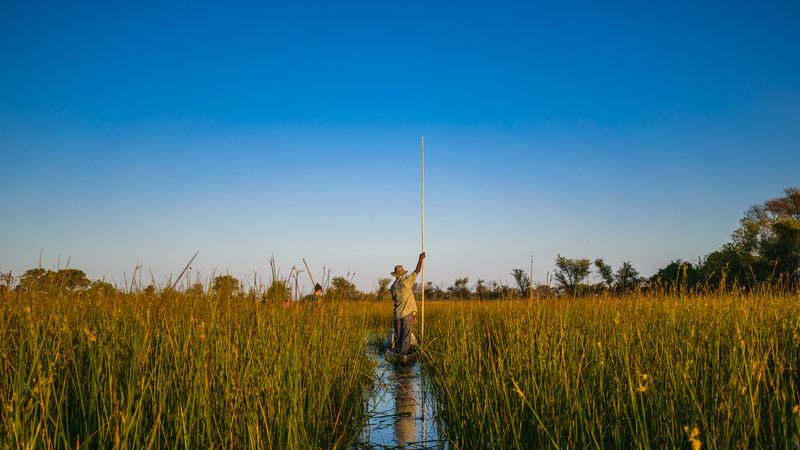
(405, 406)
(400, 410)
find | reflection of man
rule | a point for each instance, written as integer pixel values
(405, 406)
(405, 308)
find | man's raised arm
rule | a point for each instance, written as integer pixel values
(419, 262)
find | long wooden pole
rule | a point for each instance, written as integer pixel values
(313, 283)
(422, 145)
(185, 269)
(530, 275)
(422, 329)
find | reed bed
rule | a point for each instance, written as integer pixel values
(179, 371)
(174, 370)
(720, 371)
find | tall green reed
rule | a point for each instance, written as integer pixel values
(175, 370)
(639, 372)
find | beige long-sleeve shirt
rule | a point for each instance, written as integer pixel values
(403, 295)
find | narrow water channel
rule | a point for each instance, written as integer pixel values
(401, 410)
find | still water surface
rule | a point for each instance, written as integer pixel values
(401, 410)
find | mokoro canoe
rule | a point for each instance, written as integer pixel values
(400, 360)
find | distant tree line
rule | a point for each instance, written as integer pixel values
(764, 251)
(73, 281)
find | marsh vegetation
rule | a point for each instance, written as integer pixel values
(184, 370)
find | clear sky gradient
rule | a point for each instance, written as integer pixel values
(145, 132)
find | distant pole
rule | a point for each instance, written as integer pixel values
(313, 283)
(531, 277)
(422, 145)
(184, 269)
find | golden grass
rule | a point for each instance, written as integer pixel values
(134, 371)
(176, 370)
(645, 372)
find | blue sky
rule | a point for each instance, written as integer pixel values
(145, 132)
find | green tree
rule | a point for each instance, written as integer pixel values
(500, 290)
(101, 288)
(764, 249)
(627, 278)
(768, 240)
(7, 280)
(39, 279)
(677, 275)
(33, 279)
(730, 266)
(523, 281)
(343, 289)
(383, 289)
(225, 285)
(278, 291)
(571, 273)
(481, 291)
(756, 225)
(782, 249)
(434, 292)
(605, 272)
(72, 279)
(459, 288)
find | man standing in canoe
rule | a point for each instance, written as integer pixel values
(405, 307)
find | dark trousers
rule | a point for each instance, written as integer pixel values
(402, 333)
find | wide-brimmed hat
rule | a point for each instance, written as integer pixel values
(399, 271)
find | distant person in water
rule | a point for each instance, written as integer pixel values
(316, 296)
(405, 307)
